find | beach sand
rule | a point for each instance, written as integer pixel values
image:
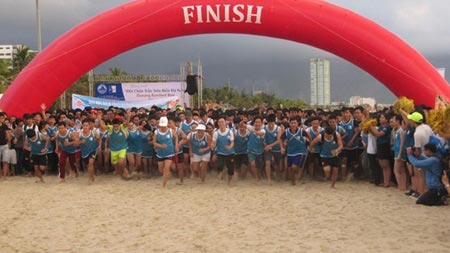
(138, 216)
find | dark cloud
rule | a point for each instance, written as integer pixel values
(263, 63)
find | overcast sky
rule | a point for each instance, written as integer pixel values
(269, 64)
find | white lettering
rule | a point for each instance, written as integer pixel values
(211, 14)
(227, 13)
(187, 12)
(222, 13)
(199, 14)
(238, 13)
(257, 15)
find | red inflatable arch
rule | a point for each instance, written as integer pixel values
(314, 22)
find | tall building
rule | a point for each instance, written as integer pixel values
(319, 70)
(8, 52)
(357, 100)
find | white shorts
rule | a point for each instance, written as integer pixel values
(3, 148)
(201, 158)
(9, 156)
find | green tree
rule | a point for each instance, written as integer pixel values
(5, 74)
(22, 58)
(117, 71)
(226, 95)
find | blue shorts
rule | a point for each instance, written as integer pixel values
(298, 160)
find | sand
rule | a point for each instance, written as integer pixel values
(138, 216)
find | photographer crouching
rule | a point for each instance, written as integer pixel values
(432, 166)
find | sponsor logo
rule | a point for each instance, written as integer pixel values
(79, 103)
(102, 89)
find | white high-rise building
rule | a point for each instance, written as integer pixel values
(8, 52)
(319, 70)
(357, 100)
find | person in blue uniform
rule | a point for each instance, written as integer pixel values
(89, 141)
(134, 150)
(331, 145)
(223, 144)
(200, 148)
(351, 143)
(272, 148)
(66, 147)
(255, 147)
(165, 143)
(294, 142)
(37, 144)
(241, 135)
(118, 145)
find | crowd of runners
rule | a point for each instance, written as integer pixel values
(271, 144)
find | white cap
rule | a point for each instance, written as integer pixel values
(163, 122)
(201, 127)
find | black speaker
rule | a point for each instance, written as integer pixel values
(191, 84)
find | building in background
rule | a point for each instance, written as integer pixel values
(8, 52)
(362, 101)
(441, 71)
(319, 70)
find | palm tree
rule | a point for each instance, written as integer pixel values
(5, 67)
(22, 58)
(5, 74)
(118, 72)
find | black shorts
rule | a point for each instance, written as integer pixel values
(384, 151)
(240, 159)
(331, 161)
(312, 157)
(91, 155)
(162, 159)
(352, 155)
(39, 160)
(349, 153)
(226, 161)
(185, 150)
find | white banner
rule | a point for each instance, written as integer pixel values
(150, 91)
(80, 101)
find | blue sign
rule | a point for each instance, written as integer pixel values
(109, 91)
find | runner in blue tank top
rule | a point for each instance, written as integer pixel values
(65, 145)
(331, 144)
(272, 148)
(313, 161)
(223, 143)
(350, 156)
(294, 142)
(37, 144)
(165, 143)
(52, 157)
(200, 148)
(89, 144)
(241, 136)
(118, 145)
(255, 147)
(186, 127)
(134, 150)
